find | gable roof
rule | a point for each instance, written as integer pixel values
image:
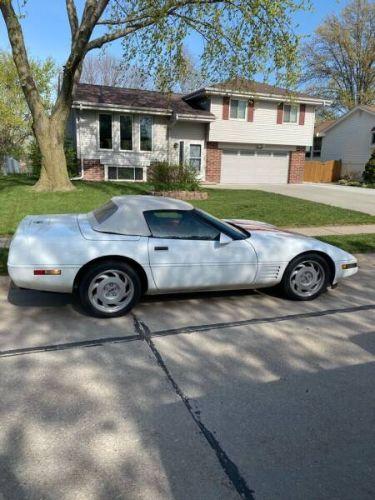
(260, 90)
(321, 127)
(102, 96)
(363, 107)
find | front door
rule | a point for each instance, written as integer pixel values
(185, 253)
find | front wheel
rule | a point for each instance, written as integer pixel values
(306, 277)
(110, 289)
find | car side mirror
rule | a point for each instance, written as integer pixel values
(224, 239)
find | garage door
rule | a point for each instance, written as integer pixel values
(252, 167)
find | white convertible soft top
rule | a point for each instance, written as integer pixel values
(128, 218)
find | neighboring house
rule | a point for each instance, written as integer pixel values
(350, 139)
(233, 132)
(12, 166)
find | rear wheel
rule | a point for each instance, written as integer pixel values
(110, 289)
(306, 277)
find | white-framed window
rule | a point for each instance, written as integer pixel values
(126, 132)
(238, 109)
(120, 173)
(145, 133)
(290, 113)
(195, 157)
(105, 131)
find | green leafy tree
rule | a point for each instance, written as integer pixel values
(369, 172)
(340, 58)
(15, 117)
(240, 37)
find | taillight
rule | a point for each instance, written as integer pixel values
(47, 272)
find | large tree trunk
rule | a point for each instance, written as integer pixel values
(49, 134)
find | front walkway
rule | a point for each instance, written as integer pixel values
(352, 198)
(333, 230)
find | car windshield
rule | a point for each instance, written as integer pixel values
(104, 212)
(231, 230)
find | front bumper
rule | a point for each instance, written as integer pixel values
(345, 269)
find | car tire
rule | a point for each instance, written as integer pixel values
(109, 289)
(306, 277)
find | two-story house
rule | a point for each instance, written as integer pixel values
(232, 133)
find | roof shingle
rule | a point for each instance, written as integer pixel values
(241, 84)
(135, 98)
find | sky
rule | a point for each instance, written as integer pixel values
(47, 32)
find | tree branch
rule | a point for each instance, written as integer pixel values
(73, 18)
(21, 60)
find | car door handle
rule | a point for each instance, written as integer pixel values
(159, 249)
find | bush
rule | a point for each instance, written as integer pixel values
(35, 158)
(165, 177)
(348, 182)
(369, 172)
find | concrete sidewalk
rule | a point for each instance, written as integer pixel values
(333, 230)
(4, 242)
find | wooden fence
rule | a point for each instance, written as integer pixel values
(322, 171)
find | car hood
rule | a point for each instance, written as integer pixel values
(273, 243)
(254, 225)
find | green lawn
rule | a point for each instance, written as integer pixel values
(18, 200)
(353, 243)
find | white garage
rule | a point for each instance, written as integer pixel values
(241, 166)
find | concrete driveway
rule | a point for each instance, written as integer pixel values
(360, 199)
(207, 396)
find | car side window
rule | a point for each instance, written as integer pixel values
(184, 224)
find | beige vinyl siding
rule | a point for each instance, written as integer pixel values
(264, 129)
(350, 142)
(190, 133)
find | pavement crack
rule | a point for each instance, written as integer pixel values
(229, 467)
(257, 321)
(142, 331)
(69, 345)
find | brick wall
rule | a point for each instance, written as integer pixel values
(213, 162)
(296, 165)
(93, 170)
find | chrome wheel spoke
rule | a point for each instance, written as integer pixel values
(307, 278)
(111, 291)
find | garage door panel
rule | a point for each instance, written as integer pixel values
(253, 167)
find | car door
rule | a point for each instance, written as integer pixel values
(186, 253)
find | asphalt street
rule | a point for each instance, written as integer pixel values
(203, 396)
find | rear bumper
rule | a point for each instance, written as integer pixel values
(23, 276)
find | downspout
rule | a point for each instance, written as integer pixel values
(171, 123)
(78, 138)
